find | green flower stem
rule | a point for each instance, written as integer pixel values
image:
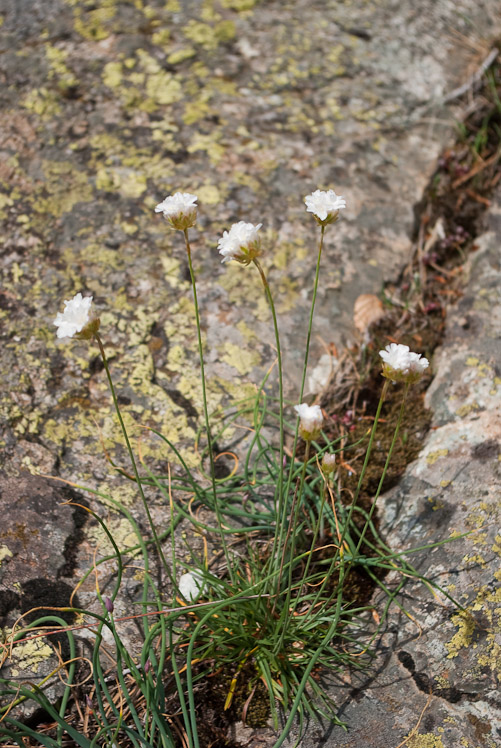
(282, 519)
(385, 469)
(131, 453)
(339, 554)
(312, 310)
(316, 533)
(362, 474)
(285, 614)
(217, 508)
(279, 506)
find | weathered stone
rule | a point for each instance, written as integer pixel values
(39, 536)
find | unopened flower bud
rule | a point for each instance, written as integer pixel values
(328, 463)
(108, 604)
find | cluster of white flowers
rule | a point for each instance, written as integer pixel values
(179, 210)
(401, 365)
(311, 420)
(325, 206)
(241, 243)
(76, 318)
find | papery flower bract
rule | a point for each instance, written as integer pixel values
(310, 420)
(401, 365)
(325, 206)
(190, 585)
(76, 320)
(179, 210)
(241, 243)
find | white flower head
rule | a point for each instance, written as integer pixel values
(180, 210)
(190, 585)
(76, 320)
(401, 365)
(310, 420)
(325, 206)
(241, 243)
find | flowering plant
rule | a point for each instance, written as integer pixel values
(179, 209)
(280, 609)
(76, 320)
(240, 243)
(325, 206)
(401, 365)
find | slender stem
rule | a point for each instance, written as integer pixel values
(279, 491)
(385, 469)
(285, 615)
(364, 468)
(312, 310)
(281, 520)
(131, 453)
(206, 409)
(316, 533)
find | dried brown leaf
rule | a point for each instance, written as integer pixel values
(367, 310)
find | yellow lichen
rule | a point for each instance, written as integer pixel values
(239, 358)
(43, 102)
(432, 457)
(91, 24)
(209, 194)
(112, 74)
(462, 638)
(29, 656)
(426, 740)
(121, 531)
(209, 144)
(4, 553)
(180, 55)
